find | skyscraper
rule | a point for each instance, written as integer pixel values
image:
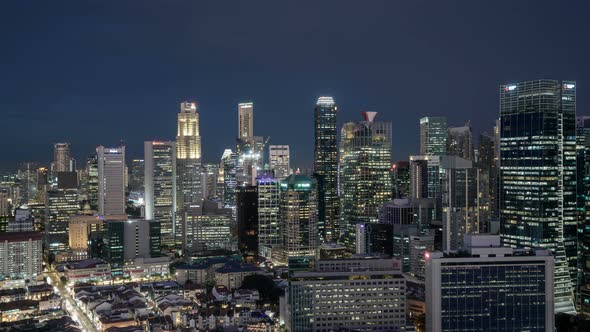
(583, 197)
(91, 184)
(61, 157)
(489, 288)
(299, 216)
(247, 216)
(326, 166)
(111, 180)
(245, 121)
(209, 181)
(433, 136)
(229, 161)
(269, 236)
(206, 228)
(136, 176)
(160, 188)
(60, 205)
(460, 141)
(538, 175)
(188, 155)
(365, 180)
(278, 156)
(400, 172)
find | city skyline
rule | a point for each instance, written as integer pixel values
(461, 78)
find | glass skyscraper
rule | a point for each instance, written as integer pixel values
(269, 236)
(538, 175)
(326, 167)
(188, 154)
(433, 136)
(365, 179)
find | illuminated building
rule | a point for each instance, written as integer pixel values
(245, 121)
(326, 167)
(126, 240)
(27, 174)
(209, 180)
(247, 218)
(62, 158)
(366, 294)
(42, 184)
(206, 228)
(365, 180)
(90, 185)
(21, 255)
(298, 216)
(583, 207)
(269, 235)
(229, 162)
(489, 288)
(538, 175)
(460, 142)
(60, 205)
(160, 188)
(433, 136)
(80, 229)
(487, 161)
(400, 172)
(188, 156)
(278, 156)
(4, 203)
(111, 180)
(136, 176)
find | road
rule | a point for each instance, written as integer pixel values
(77, 314)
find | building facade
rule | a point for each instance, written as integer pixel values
(111, 180)
(433, 136)
(269, 233)
(188, 156)
(278, 157)
(21, 255)
(538, 175)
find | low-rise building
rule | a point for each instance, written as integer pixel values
(90, 270)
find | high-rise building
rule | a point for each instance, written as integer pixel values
(400, 172)
(298, 216)
(365, 179)
(209, 180)
(464, 190)
(80, 229)
(326, 166)
(583, 207)
(111, 180)
(364, 294)
(538, 175)
(160, 188)
(21, 255)
(460, 142)
(90, 186)
(278, 156)
(269, 235)
(136, 176)
(62, 157)
(419, 211)
(433, 136)
(489, 288)
(247, 217)
(206, 228)
(27, 174)
(125, 240)
(229, 162)
(42, 184)
(188, 156)
(4, 203)
(60, 205)
(245, 121)
(487, 162)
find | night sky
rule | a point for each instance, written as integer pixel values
(98, 72)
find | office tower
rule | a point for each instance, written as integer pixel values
(247, 216)
(245, 121)
(23, 221)
(188, 156)
(332, 296)
(209, 180)
(278, 156)
(487, 162)
(419, 211)
(60, 205)
(136, 176)
(460, 141)
(298, 216)
(125, 240)
(91, 185)
(61, 157)
(42, 184)
(111, 180)
(400, 172)
(250, 159)
(160, 188)
(269, 234)
(489, 288)
(538, 175)
(67, 180)
(21, 255)
(4, 205)
(433, 136)
(206, 228)
(229, 162)
(27, 174)
(374, 238)
(464, 190)
(365, 180)
(325, 165)
(425, 181)
(583, 206)
(80, 229)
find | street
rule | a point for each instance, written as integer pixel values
(70, 305)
